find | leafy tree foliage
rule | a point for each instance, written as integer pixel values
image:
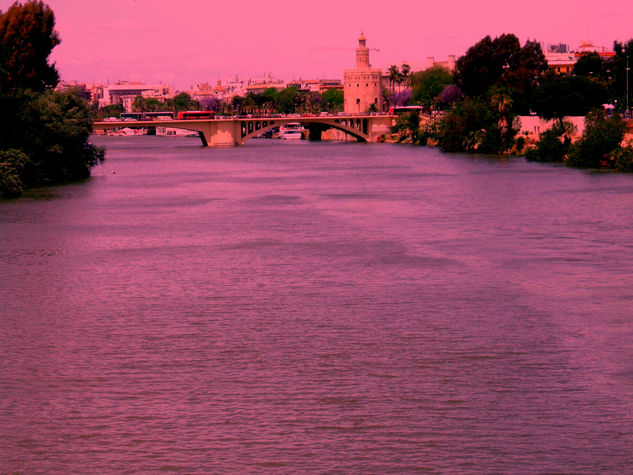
(590, 65)
(623, 159)
(183, 102)
(52, 129)
(44, 133)
(560, 96)
(429, 84)
(289, 99)
(553, 144)
(333, 100)
(111, 110)
(472, 126)
(600, 140)
(502, 62)
(12, 163)
(27, 37)
(450, 95)
(623, 51)
(148, 104)
(407, 125)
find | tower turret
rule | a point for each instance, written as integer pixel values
(362, 53)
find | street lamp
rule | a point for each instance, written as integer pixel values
(627, 84)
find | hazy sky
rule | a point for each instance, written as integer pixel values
(190, 41)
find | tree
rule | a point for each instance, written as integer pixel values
(333, 100)
(553, 144)
(212, 104)
(27, 36)
(589, 64)
(405, 70)
(111, 110)
(561, 96)
(450, 95)
(407, 125)
(148, 104)
(501, 99)
(183, 102)
(600, 140)
(623, 52)
(502, 62)
(427, 85)
(44, 133)
(472, 126)
(394, 76)
(289, 100)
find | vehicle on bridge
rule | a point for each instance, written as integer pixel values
(126, 116)
(161, 115)
(404, 109)
(188, 115)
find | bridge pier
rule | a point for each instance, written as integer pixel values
(219, 133)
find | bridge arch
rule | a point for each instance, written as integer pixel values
(357, 128)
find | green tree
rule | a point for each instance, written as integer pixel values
(111, 110)
(623, 159)
(501, 99)
(44, 133)
(502, 62)
(553, 144)
(394, 76)
(148, 104)
(12, 163)
(27, 36)
(405, 73)
(183, 102)
(408, 126)
(590, 65)
(600, 140)
(623, 53)
(427, 85)
(561, 96)
(472, 126)
(289, 99)
(333, 100)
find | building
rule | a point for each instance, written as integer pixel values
(449, 64)
(561, 59)
(125, 92)
(363, 85)
(327, 84)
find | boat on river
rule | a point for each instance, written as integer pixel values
(291, 131)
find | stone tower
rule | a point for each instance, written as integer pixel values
(363, 88)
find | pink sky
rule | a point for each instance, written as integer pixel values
(191, 41)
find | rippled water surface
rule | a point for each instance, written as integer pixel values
(305, 307)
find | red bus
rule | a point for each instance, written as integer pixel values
(184, 115)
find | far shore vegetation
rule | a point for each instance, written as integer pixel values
(476, 108)
(44, 133)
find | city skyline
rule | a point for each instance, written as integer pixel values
(196, 41)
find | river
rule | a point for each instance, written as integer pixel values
(317, 307)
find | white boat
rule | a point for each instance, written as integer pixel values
(291, 131)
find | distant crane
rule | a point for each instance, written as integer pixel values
(336, 48)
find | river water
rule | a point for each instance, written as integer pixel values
(317, 307)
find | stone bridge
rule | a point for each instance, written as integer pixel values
(235, 131)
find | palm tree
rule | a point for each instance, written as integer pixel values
(394, 74)
(405, 69)
(503, 102)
